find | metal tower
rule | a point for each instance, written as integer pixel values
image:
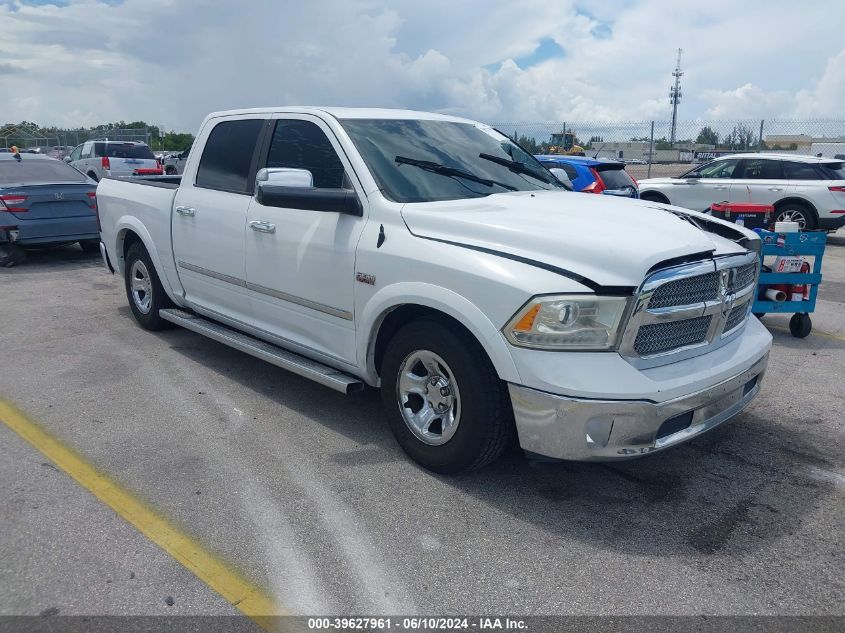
(675, 97)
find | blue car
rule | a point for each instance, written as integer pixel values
(594, 175)
(44, 202)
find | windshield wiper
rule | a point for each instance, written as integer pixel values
(520, 168)
(439, 168)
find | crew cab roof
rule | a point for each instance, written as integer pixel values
(346, 113)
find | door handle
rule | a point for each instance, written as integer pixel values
(720, 187)
(262, 227)
(775, 188)
(189, 211)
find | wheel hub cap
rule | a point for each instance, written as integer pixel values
(428, 397)
(141, 286)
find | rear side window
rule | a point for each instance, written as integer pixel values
(760, 169)
(800, 171)
(615, 177)
(37, 172)
(303, 145)
(569, 169)
(833, 171)
(227, 156)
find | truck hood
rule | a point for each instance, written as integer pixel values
(599, 241)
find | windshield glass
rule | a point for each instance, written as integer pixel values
(457, 147)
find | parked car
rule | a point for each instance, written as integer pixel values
(432, 257)
(804, 189)
(175, 162)
(594, 175)
(44, 202)
(99, 159)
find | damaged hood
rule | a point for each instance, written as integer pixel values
(600, 240)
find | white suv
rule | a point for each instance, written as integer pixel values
(99, 159)
(803, 189)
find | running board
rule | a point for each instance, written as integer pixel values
(294, 363)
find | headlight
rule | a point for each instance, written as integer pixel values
(568, 322)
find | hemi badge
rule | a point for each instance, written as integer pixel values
(366, 278)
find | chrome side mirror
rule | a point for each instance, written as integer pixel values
(66, 159)
(284, 177)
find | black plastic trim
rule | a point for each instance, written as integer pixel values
(328, 200)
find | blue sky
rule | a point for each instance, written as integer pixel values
(172, 61)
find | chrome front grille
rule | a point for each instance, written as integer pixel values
(687, 310)
(682, 292)
(655, 338)
(736, 316)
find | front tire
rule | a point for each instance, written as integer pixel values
(445, 404)
(144, 290)
(651, 196)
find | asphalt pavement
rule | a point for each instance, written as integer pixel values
(304, 491)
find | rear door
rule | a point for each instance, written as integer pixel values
(209, 217)
(758, 180)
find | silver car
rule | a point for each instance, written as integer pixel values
(98, 159)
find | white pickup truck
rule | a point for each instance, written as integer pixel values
(430, 256)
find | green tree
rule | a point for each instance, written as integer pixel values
(707, 136)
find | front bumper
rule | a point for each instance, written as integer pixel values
(586, 430)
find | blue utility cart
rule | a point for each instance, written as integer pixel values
(788, 245)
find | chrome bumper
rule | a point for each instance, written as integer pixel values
(585, 430)
(105, 255)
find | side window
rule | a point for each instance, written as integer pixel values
(77, 152)
(570, 171)
(303, 145)
(86, 150)
(227, 156)
(801, 171)
(719, 169)
(760, 169)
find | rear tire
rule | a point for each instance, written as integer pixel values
(144, 290)
(796, 212)
(90, 246)
(11, 255)
(434, 372)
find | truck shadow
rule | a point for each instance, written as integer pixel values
(738, 488)
(64, 258)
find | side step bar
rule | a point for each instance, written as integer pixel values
(291, 361)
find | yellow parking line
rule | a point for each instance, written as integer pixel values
(248, 598)
(814, 332)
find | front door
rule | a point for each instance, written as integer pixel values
(300, 263)
(713, 184)
(209, 219)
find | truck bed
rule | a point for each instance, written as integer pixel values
(144, 206)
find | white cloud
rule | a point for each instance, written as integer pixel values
(172, 61)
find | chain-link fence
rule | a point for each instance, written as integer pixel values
(651, 147)
(31, 137)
